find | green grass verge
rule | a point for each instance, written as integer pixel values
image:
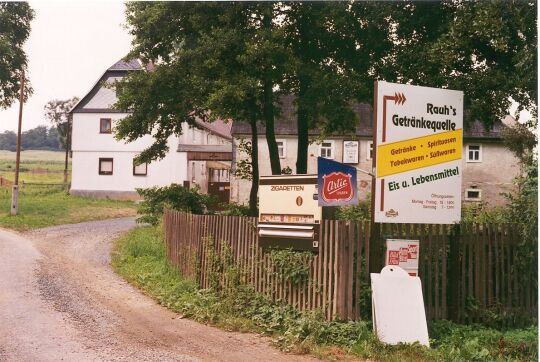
(139, 256)
(47, 206)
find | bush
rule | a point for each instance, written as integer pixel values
(360, 212)
(175, 197)
(234, 209)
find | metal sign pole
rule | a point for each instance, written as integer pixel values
(15, 190)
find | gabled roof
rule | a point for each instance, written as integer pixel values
(100, 99)
(286, 123)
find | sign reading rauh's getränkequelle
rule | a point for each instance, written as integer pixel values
(419, 136)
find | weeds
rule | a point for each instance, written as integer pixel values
(140, 257)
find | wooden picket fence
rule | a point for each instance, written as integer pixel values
(338, 280)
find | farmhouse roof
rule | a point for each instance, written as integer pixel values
(218, 127)
(100, 99)
(286, 123)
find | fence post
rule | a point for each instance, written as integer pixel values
(453, 273)
(375, 249)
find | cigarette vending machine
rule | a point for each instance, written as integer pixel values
(289, 213)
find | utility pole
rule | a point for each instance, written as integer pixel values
(15, 191)
(68, 146)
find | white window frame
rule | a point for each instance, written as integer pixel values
(479, 153)
(284, 147)
(332, 149)
(467, 198)
(369, 150)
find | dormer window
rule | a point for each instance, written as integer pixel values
(105, 125)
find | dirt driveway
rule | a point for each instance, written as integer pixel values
(60, 300)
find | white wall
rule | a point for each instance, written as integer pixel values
(159, 173)
(89, 146)
(86, 136)
(240, 188)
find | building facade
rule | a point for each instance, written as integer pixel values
(489, 168)
(104, 167)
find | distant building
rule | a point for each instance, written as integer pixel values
(488, 167)
(103, 166)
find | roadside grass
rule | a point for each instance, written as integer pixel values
(139, 256)
(43, 200)
(47, 206)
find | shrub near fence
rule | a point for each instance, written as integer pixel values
(337, 277)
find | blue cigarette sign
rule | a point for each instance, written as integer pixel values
(337, 184)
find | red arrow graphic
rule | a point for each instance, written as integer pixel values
(399, 99)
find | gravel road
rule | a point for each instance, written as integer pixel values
(60, 300)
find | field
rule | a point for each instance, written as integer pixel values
(35, 166)
(43, 200)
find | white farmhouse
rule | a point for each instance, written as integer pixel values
(103, 166)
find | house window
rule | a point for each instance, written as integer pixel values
(326, 149)
(140, 170)
(369, 150)
(474, 153)
(105, 125)
(473, 194)
(105, 166)
(282, 148)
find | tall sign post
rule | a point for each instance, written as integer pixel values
(15, 190)
(418, 142)
(419, 137)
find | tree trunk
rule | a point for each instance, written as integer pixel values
(268, 105)
(253, 209)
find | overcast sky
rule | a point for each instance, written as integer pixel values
(70, 46)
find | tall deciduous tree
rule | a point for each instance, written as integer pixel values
(15, 18)
(57, 113)
(488, 49)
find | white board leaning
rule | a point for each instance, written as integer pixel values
(398, 307)
(418, 143)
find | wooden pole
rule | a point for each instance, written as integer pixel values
(15, 191)
(68, 144)
(375, 244)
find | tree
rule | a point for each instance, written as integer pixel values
(523, 203)
(234, 60)
(15, 18)
(335, 48)
(488, 49)
(221, 62)
(57, 113)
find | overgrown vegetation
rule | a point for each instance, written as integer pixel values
(175, 197)
(292, 266)
(140, 257)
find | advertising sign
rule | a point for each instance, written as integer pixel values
(350, 152)
(336, 183)
(418, 143)
(403, 253)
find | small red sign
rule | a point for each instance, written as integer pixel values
(403, 254)
(393, 257)
(413, 251)
(337, 186)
